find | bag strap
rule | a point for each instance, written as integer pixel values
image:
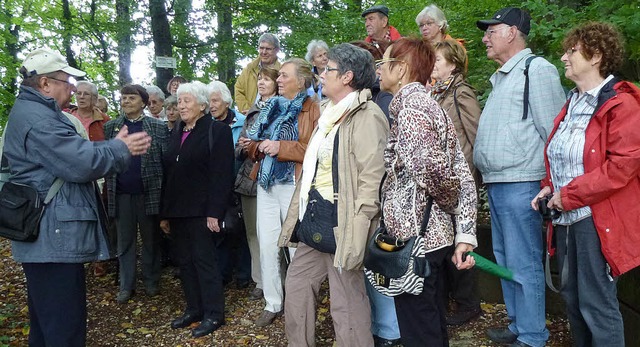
(525, 111)
(455, 103)
(425, 217)
(5, 174)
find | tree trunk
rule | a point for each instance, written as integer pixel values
(226, 47)
(123, 37)
(163, 43)
(67, 34)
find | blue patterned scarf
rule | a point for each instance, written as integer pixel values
(278, 120)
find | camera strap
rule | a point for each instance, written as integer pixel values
(564, 272)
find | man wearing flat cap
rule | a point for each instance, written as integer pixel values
(44, 151)
(379, 32)
(509, 147)
(133, 196)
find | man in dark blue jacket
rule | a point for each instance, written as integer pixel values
(40, 145)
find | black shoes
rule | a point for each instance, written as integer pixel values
(461, 317)
(185, 320)
(382, 342)
(502, 335)
(206, 327)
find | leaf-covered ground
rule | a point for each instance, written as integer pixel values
(144, 321)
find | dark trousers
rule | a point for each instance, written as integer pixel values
(233, 253)
(57, 299)
(460, 285)
(589, 291)
(131, 218)
(421, 318)
(199, 271)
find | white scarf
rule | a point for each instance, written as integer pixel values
(331, 114)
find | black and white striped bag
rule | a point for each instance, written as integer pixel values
(394, 266)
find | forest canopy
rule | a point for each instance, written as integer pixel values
(212, 39)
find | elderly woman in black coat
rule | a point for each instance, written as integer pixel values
(198, 180)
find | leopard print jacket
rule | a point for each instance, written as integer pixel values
(423, 158)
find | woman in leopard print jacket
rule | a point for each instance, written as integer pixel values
(423, 158)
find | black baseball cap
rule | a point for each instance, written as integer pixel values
(509, 16)
(377, 8)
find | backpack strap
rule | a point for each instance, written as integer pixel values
(525, 111)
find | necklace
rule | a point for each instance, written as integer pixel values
(187, 128)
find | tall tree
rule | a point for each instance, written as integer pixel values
(123, 38)
(226, 46)
(67, 33)
(162, 40)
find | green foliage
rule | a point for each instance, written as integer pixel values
(27, 24)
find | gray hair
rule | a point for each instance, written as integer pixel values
(313, 47)
(270, 39)
(198, 90)
(172, 100)
(219, 87)
(434, 12)
(92, 87)
(155, 90)
(357, 60)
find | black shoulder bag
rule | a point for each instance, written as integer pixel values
(21, 208)
(321, 216)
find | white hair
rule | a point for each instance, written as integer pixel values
(313, 47)
(155, 90)
(196, 89)
(219, 87)
(434, 12)
(92, 87)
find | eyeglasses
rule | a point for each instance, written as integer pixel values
(328, 69)
(381, 62)
(70, 80)
(569, 52)
(489, 32)
(265, 49)
(427, 23)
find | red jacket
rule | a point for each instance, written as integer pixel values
(610, 184)
(96, 128)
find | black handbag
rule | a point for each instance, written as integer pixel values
(21, 208)
(394, 266)
(233, 218)
(321, 216)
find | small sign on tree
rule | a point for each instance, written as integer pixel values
(166, 62)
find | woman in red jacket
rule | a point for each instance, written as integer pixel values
(593, 167)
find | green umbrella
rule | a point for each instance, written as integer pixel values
(492, 268)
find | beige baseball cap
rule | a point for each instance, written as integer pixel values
(45, 60)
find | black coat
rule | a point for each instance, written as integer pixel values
(198, 181)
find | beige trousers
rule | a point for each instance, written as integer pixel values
(350, 308)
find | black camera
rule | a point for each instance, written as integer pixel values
(546, 212)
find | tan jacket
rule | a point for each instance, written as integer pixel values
(246, 87)
(363, 137)
(465, 118)
(292, 150)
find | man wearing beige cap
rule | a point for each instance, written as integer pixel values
(42, 148)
